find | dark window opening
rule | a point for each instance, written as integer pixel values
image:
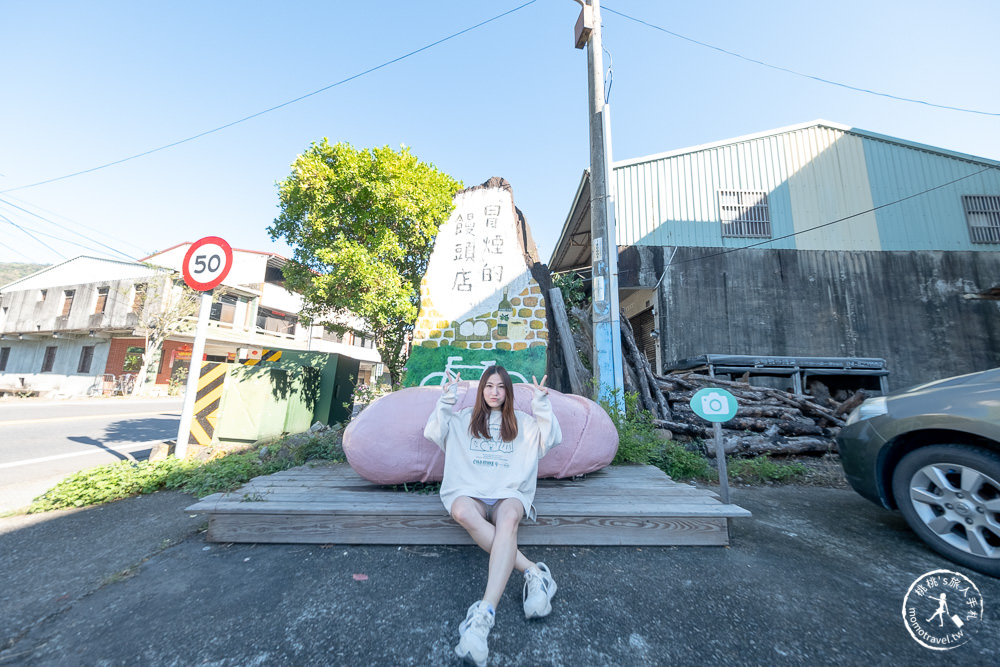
(86, 358)
(274, 275)
(4, 356)
(50, 359)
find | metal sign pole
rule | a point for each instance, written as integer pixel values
(720, 458)
(194, 371)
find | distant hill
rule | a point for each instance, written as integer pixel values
(11, 271)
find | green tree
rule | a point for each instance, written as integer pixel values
(362, 225)
(165, 307)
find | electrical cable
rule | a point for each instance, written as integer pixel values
(274, 108)
(834, 222)
(791, 71)
(141, 250)
(36, 239)
(16, 252)
(103, 245)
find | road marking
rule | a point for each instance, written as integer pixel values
(127, 447)
(21, 422)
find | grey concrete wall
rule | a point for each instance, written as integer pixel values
(920, 311)
(25, 362)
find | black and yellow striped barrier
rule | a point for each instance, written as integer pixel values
(265, 355)
(206, 402)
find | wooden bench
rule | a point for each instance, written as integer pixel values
(329, 503)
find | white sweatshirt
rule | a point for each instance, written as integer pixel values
(481, 468)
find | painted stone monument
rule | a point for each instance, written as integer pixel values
(479, 303)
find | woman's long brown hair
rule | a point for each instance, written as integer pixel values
(479, 425)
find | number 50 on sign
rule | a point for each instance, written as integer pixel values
(207, 263)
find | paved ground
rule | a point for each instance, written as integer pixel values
(817, 575)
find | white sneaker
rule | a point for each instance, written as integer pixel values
(474, 629)
(539, 587)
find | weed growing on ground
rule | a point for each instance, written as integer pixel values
(637, 439)
(681, 463)
(763, 469)
(201, 478)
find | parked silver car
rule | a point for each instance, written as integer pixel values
(933, 452)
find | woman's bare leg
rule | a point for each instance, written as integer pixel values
(471, 515)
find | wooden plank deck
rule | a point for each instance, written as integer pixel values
(330, 504)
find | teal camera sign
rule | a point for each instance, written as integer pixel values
(715, 405)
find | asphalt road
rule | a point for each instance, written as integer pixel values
(817, 576)
(41, 442)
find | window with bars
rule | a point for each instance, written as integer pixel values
(49, 360)
(744, 214)
(86, 358)
(982, 212)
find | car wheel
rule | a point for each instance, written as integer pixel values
(950, 497)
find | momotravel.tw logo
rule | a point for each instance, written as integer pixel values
(942, 610)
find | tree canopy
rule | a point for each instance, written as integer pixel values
(362, 225)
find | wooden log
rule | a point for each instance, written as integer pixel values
(583, 335)
(742, 445)
(684, 428)
(637, 360)
(854, 401)
(567, 344)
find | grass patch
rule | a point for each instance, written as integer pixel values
(116, 481)
(681, 463)
(637, 439)
(762, 470)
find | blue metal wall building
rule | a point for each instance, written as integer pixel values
(817, 239)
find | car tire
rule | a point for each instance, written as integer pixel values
(950, 497)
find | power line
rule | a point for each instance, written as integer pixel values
(103, 245)
(70, 220)
(36, 239)
(15, 251)
(834, 222)
(794, 72)
(276, 107)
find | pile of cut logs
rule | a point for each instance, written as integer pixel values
(768, 421)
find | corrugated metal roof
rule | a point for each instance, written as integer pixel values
(80, 270)
(828, 186)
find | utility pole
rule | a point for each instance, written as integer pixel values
(606, 315)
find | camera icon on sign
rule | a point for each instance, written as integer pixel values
(714, 403)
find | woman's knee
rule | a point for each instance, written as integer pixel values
(508, 515)
(465, 510)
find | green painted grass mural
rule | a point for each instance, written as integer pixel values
(426, 366)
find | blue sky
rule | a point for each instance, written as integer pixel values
(89, 83)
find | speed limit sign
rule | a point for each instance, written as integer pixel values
(207, 263)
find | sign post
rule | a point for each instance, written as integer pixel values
(206, 265)
(717, 406)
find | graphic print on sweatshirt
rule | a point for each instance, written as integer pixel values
(492, 452)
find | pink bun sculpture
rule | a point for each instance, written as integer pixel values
(385, 444)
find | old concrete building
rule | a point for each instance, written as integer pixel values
(77, 328)
(812, 240)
